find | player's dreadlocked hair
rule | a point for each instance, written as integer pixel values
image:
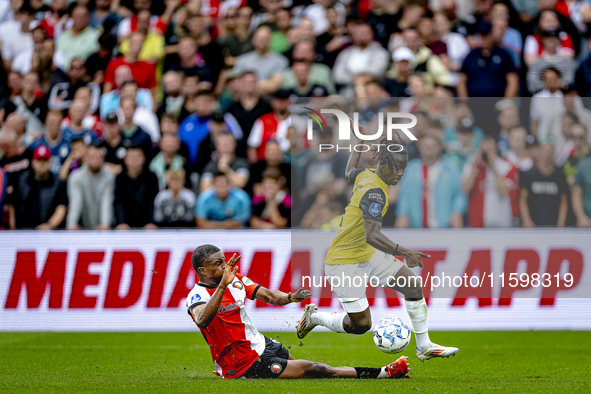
(202, 253)
(386, 153)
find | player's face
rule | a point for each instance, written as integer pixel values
(393, 176)
(214, 268)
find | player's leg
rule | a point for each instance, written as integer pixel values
(357, 318)
(304, 369)
(407, 283)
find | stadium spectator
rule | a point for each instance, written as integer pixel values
(273, 125)
(488, 71)
(463, 149)
(225, 160)
(273, 160)
(222, 206)
(457, 46)
(250, 105)
(517, 154)
(491, 185)
(543, 192)
(112, 100)
(74, 160)
(238, 41)
(533, 48)
(114, 144)
(508, 118)
(80, 41)
(583, 76)
(272, 208)
(91, 193)
(77, 129)
(430, 66)
(15, 159)
(167, 159)
(39, 200)
(548, 103)
(136, 188)
(175, 206)
(366, 56)
(53, 139)
(430, 192)
(187, 65)
(267, 65)
(144, 73)
(315, 73)
(194, 128)
(132, 133)
(19, 39)
(67, 84)
(581, 194)
(217, 125)
(153, 45)
(580, 150)
(97, 63)
(550, 59)
(28, 113)
(173, 101)
(506, 36)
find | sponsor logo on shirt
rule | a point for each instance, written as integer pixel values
(230, 307)
(247, 281)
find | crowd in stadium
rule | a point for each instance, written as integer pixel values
(176, 113)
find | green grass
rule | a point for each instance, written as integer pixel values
(169, 362)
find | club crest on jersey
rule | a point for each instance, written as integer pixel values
(375, 209)
(238, 285)
(276, 368)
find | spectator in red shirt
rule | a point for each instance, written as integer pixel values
(144, 73)
(273, 125)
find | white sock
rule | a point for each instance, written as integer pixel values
(383, 374)
(417, 310)
(332, 321)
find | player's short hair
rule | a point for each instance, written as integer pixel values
(382, 155)
(201, 254)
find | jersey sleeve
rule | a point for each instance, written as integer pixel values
(250, 287)
(197, 296)
(353, 175)
(372, 204)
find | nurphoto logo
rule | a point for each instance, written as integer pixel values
(345, 129)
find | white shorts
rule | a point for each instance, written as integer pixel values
(349, 281)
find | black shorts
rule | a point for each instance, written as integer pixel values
(271, 363)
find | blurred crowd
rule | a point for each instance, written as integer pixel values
(176, 113)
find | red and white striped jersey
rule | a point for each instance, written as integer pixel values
(234, 341)
(486, 207)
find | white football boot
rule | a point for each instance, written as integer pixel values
(435, 350)
(305, 325)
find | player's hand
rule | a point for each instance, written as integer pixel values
(413, 258)
(299, 295)
(229, 271)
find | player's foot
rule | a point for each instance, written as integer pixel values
(398, 369)
(305, 325)
(435, 350)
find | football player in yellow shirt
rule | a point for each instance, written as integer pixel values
(360, 249)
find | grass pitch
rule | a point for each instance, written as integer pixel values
(180, 362)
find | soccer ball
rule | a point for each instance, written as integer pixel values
(392, 335)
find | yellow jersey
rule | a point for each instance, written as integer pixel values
(369, 201)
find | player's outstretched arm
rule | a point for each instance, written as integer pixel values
(377, 239)
(277, 297)
(355, 157)
(204, 314)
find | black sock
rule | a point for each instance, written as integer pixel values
(367, 373)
